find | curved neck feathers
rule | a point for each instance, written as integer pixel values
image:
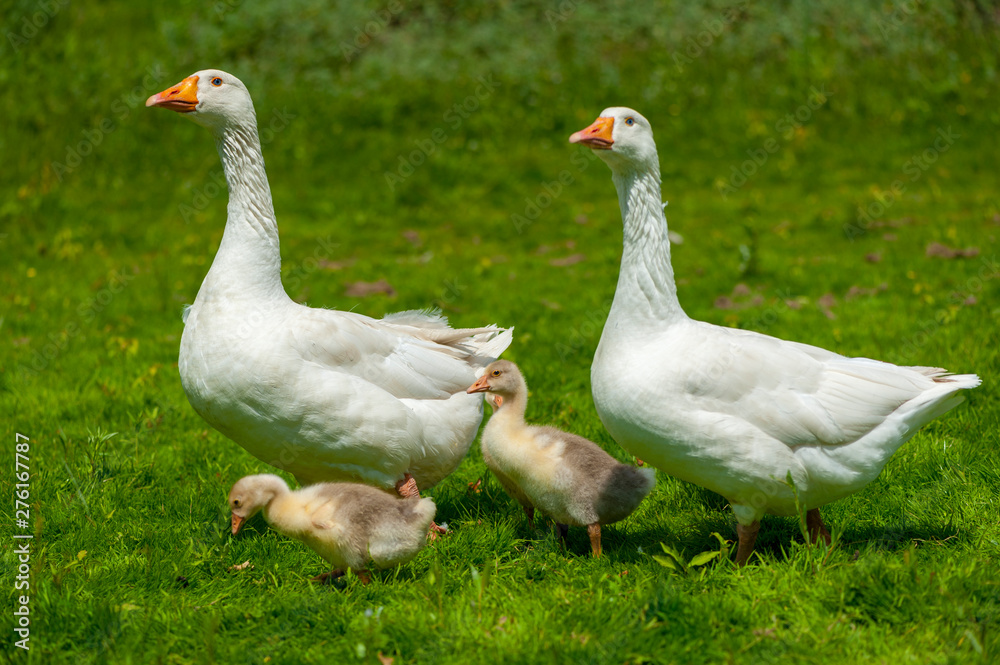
(249, 257)
(646, 290)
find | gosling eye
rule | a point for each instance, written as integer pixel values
(629, 121)
(217, 81)
(236, 503)
(496, 372)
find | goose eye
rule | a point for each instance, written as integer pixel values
(629, 121)
(217, 81)
(236, 503)
(496, 372)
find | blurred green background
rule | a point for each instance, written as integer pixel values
(418, 156)
(362, 93)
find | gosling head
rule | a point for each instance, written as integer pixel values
(250, 494)
(211, 97)
(622, 137)
(501, 379)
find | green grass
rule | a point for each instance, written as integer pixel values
(131, 551)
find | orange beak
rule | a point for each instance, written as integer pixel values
(237, 523)
(597, 136)
(182, 98)
(480, 386)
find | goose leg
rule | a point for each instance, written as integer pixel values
(363, 576)
(594, 531)
(326, 577)
(748, 536)
(407, 488)
(563, 535)
(814, 525)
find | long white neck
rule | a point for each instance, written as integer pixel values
(249, 260)
(646, 292)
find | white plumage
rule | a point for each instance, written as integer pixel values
(732, 410)
(323, 394)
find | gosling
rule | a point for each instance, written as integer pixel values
(351, 526)
(565, 476)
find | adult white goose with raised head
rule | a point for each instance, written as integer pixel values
(733, 410)
(323, 394)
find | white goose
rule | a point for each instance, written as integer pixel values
(733, 410)
(325, 395)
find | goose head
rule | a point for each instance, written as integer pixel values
(252, 493)
(211, 97)
(622, 137)
(503, 380)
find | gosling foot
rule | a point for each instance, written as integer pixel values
(594, 531)
(326, 577)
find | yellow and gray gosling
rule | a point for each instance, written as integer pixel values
(565, 476)
(349, 525)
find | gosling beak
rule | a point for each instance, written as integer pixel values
(237, 523)
(480, 386)
(182, 98)
(597, 136)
